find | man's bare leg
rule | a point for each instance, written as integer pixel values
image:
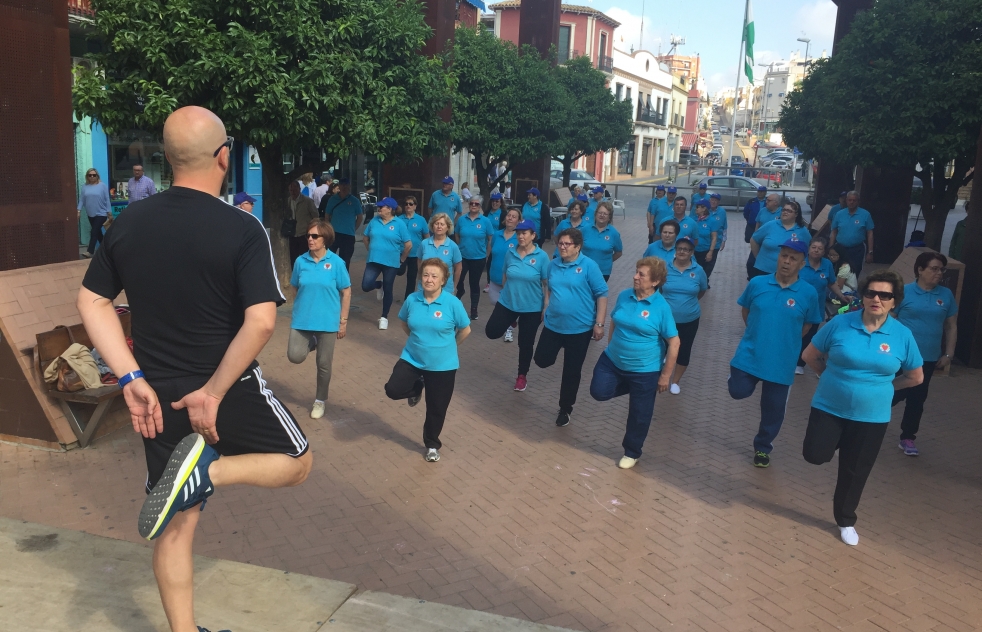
(173, 565)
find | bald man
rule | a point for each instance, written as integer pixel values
(198, 276)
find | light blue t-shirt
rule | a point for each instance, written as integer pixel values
(770, 237)
(720, 215)
(432, 343)
(640, 329)
(418, 231)
(600, 245)
(657, 249)
(95, 200)
(591, 207)
(857, 383)
(696, 197)
(771, 342)
(386, 241)
(681, 291)
(495, 217)
(852, 228)
(563, 225)
(342, 213)
(687, 227)
(319, 283)
(448, 252)
(659, 208)
(472, 236)
(523, 280)
(499, 249)
(449, 204)
(574, 288)
(833, 211)
(704, 230)
(820, 278)
(924, 313)
(534, 215)
(764, 215)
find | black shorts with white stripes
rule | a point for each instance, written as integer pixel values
(250, 421)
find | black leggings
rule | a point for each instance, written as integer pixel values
(915, 396)
(806, 340)
(95, 236)
(707, 266)
(528, 324)
(576, 347)
(370, 282)
(408, 381)
(409, 268)
(475, 267)
(344, 247)
(687, 335)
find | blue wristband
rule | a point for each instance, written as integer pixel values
(129, 377)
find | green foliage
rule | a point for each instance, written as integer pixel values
(593, 120)
(333, 74)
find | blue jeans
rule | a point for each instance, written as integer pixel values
(856, 256)
(773, 403)
(370, 282)
(609, 382)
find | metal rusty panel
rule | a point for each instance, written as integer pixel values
(539, 24)
(37, 167)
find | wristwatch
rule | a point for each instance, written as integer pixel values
(601, 325)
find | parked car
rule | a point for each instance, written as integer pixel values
(780, 163)
(691, 159)
(741, 133)
(714, 157)
(723, 129)
(735, 191)
(769, 158)
(576, 177)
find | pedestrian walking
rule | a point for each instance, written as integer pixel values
(536, 211)
(596, 198)
(778, 310)
(768, 240)
(717, 211)
(575, 315)
(664, 248)
(601, 241)
(320, 191)
(446, 201)
(504, 241)
(929, 310)
(523, 299)
(418, 231)
(577, 218)
(658, 212)
(388, 243)
(838, 206)
(684, 286)
(770, 211)
(473, 233)
(818, 273)
(862, 358)
(320, 310)
(687, 225)
(707, 237)
(497, 223)
(244, 201)
(344, 211)
(94, 199)
(701, 195)
(852, 229)
(436, 323)
(139, 187)
(441, 246)
(465, 192)
(302, 210)
(204, 305)
(750, 212)
(642, 345)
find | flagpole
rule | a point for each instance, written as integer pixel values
(736, 92)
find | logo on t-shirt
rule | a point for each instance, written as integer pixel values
(531, 262)
(578, 270)
(607, 237)
(645, 313)
(791, 302)
(885, 348)
(940, 303)
(446, 252)
(478, 225)
(437, 314)
(821, 274)
(704, 225)
(327, 266)
(857, 222)
(692, 275)
(511, 245)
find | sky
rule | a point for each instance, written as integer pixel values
(713, 28)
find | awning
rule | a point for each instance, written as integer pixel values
(689, 140)
(478, 4)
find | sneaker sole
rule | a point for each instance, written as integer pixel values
(160, 500)
(429, 460)
(520, 390)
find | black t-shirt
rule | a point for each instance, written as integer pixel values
(190, 265)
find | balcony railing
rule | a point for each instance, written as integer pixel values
(650, 116)
(605, 64)
(80, 7)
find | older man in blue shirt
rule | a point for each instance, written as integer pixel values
(446, 201)
(852, 228)
(139, 187)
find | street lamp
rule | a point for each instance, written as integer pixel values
(807, 42)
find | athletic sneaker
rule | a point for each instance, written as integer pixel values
(562, 419)
(201, 629)
(383, 323)
(521, 383)
(184, 483)
(487, 288)
(432, 455)
(379, 294)
(508, 335)
(849, 535)
(761, 459)
(907, 445)
(412, 401)
(626, 462)
(799, 370)
(317, 411)
(674, 389)
(474, 315)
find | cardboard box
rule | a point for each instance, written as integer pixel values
(820, 225)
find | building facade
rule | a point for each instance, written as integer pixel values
(684, 66)
(639, 78)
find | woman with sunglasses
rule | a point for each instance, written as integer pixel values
(94, 198)
(418, 231)
(684, 286)
(320, 311)
(929, 310)
(473, 233)
(388, 243)
(767, 240)
(861, 359)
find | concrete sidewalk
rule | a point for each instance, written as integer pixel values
(89, 583)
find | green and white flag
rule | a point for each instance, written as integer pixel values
(748, 39)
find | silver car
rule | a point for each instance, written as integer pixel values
(735, 191)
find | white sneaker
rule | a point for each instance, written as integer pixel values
(379, 294)
(674, 389)
(799, 370)
(849, 535)
(317, 411)
(432, 455)
(508, 335)
(626, 463)
(383, 323)
(486, 288)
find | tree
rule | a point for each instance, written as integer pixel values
(317, 78)
(902, 90)
(593, 119)
(507, 107)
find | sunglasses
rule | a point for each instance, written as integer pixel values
(410, 203)
(474, 204)
(229, 141)
(92, 175)
(314, 236)
(884, 296)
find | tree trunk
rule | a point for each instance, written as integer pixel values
(275, 210)
(483, 165)
(939, 196)
(969, 324)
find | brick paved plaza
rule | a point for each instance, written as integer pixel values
(525, 519)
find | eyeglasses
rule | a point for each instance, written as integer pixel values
(314, 236)
(884, 296)
(565, 244)
(229, 141)
(936, 269)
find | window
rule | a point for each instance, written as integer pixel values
(564, 40)
(780, 94)
(619, 91)
(628, 93)
(603, 45)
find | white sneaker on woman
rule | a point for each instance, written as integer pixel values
(674, 389)
(383, 323)
(317, 411)
(508, 335)
(626, 462)
(849, 535)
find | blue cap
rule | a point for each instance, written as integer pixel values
(526, 224)
(241, 197)
(344, 181)
(448, 180)
(703, 202)
(715, 196)
(702, 185)
(843, 194)
(762, 188)
(582, 197)
(597, 190)
(495, 196)
(533, 191)
(660, 187)
(687, 240)
(796, 244)
(672, 190)
(391, 203)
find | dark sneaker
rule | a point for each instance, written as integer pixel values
(412, 401)
(184, 483)
(201, 629)
(474, 315)
(562, 419)
(761, 459)
(907, 445)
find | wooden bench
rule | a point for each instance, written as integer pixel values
(50, 345)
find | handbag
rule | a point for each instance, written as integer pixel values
(68, 379)
(288, 228)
